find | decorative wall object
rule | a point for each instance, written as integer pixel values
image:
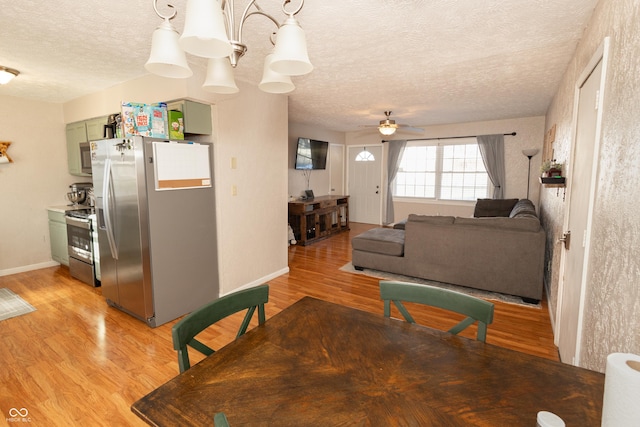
(4, 157)
(549, 139)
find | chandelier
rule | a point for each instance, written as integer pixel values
(210, 31)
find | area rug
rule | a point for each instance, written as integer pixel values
(11, 305)
(494, 296)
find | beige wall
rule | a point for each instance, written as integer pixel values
(250, 126)
(252, 226)
(38, 178)
(529, 134)
(612, 305)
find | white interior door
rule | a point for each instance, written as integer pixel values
(336, 152)
(577, 224)
(365, 184)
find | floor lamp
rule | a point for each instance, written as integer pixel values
(529, 153)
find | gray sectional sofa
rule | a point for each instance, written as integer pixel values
(501, 249)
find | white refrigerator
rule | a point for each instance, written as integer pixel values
(155, 208)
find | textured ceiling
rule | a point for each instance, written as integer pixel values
(431, 62)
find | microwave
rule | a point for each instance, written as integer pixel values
(85, 158)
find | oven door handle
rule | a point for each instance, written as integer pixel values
(107, 196)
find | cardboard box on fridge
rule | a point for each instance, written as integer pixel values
(145, 119)
(176, 124)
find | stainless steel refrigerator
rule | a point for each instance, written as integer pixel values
(155, 206)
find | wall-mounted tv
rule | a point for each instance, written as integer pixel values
(311, 154)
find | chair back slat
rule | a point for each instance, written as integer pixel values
(184, 332)
(475, 309)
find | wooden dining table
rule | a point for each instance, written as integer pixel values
(318, 363)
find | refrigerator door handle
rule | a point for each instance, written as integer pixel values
(107, 196)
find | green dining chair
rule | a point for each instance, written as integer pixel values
(185, 330)
(220, 420)
(474, 308)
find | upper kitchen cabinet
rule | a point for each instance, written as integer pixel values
(78, 135)
(196, 116)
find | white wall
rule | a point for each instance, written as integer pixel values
(320, 180)
(529, 134)
(38, 178)
(612, 306)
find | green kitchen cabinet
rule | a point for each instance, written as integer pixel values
(58, 237)
(76, 134)
(79, 133)
(196, 116)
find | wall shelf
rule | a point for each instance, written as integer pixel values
(555, 181)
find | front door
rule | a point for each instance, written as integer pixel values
(365, 184)
(577, 224)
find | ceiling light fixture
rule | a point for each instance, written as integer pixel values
(7, 74)
(210, 31)
(387, 127)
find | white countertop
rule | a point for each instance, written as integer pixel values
(63, 208)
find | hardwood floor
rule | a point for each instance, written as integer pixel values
(76, 361)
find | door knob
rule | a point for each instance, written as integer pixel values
(566, 239)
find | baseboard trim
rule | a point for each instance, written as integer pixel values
(25, 268)
(260, 281)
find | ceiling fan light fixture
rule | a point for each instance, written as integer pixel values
(7, 74)
(387, 126)
(387, 130)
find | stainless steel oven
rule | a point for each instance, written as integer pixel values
(80, 245)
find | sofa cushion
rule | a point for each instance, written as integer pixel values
(519, 224)
(494, 207)
(430, 219)
(387, 241)
(400, 224)
(523, 209)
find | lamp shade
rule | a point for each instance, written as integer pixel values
(290, 54)
(273, 82)
(220, 77)
(530, 152)
(204, 31)
(166, 58)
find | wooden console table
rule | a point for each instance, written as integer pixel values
(318, 218)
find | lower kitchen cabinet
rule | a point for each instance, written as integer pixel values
(58, 236)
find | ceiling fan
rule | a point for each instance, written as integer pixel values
(388, 126)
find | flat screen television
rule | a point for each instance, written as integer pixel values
(311, 154)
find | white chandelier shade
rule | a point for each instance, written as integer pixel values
(204, 31)
(220, 77)
(210, 32)
(290, 55)
(166, 58)
(273, 82)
